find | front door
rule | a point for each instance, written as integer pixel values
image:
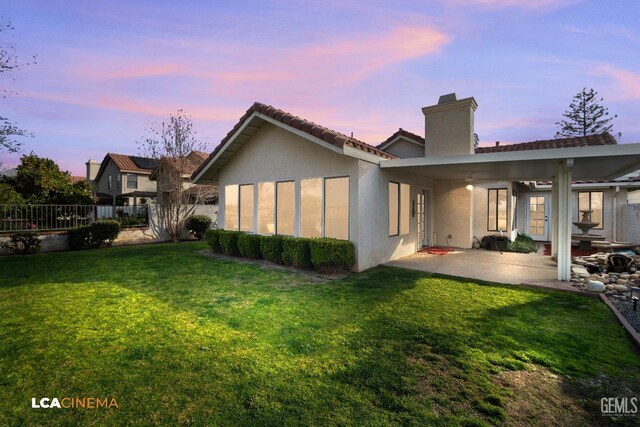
(421, 215)
(538, 216)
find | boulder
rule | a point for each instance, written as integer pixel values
(621, 282)
(621, 288)
(595, 286)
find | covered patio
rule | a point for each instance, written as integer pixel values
(560, 165)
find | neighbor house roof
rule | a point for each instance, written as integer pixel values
(325, 134)
(128, 163)
(75, 179)
(580, 141)
(401, 133)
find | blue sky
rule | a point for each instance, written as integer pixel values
(106, 70)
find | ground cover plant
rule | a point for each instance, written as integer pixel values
(181, 337)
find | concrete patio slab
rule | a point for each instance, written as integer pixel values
(491, 266)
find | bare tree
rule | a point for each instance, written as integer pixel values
(8, 63)
(178, 151)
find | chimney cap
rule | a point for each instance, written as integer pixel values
(447, 98)
(497, 143)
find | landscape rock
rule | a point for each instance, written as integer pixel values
(595, 286)
(621, 288)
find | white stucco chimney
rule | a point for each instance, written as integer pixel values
(92, 169)
(449, 126)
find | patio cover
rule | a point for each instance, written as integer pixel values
(561, 165)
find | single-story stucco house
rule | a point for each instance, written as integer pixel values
(281, 174)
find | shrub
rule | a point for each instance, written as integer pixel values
(100, 233)
(249, 245)
(79, 238)
(229, 242)
(213, 239)
(133, 221)
(271, 248)
(104, 232)
(523, 244)
(296, 252)
(23, 243)
(198, 225)
(332, 255)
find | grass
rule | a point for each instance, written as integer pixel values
(178, 337)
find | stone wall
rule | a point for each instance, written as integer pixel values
(631, 223)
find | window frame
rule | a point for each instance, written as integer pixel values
(324, 204)
(237, 228)
(253, 211)
(257, 208)
(601, 225)
(136, 179)
(497, 205)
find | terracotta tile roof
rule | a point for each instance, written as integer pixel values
(75, 179)
(332, 137)
(582, 141)
(405, 133)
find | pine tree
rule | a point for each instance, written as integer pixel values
(585, 116)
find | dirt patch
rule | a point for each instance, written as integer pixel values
(313, 275)
(541, 398)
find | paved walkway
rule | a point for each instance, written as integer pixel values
(492, 266)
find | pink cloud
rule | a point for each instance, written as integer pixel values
(627, 82)
(524, 4)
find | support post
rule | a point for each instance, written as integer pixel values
(563, 179)
(554, 217)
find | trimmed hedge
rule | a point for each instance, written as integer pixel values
(296, 252)
(271, 248)
(23, 243)
(99, 233)
(229, 242)
(249, 245)
(332, 255)
(213, 240)
(198, 225)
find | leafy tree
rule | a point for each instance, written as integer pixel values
(8, 63)
(174, 143)
(585, 116)
(9, 195)
(40, 181)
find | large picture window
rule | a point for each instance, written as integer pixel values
(246, 208)
(336, 208)
(592, 201)
(311, 207)
(399, 208)
(231, 207)
(266, 208)
(497, 209)
(285, 207)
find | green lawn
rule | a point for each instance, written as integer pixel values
(180, 337)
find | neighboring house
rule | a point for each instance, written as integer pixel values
(278, 173)
(169, 171)
(123, 179)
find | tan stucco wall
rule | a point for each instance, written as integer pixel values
(405, 149)
(274, 154)
(453, 205)
(449, 129)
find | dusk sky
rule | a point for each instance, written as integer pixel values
(106, 70)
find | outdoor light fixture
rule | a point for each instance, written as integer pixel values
(469, 182)
(635, 291)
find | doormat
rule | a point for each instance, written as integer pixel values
(437, 250)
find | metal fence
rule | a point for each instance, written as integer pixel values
(64, 217)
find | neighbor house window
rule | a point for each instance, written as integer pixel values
(285, 207)
(336, 208)
(266, 208)
(246, 208)
(132, 181)
(311, 207)
(110, 182)
(497, 209)
(231, 207)
(591, 201)
(399, 208)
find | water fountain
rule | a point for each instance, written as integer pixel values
(585, 226)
